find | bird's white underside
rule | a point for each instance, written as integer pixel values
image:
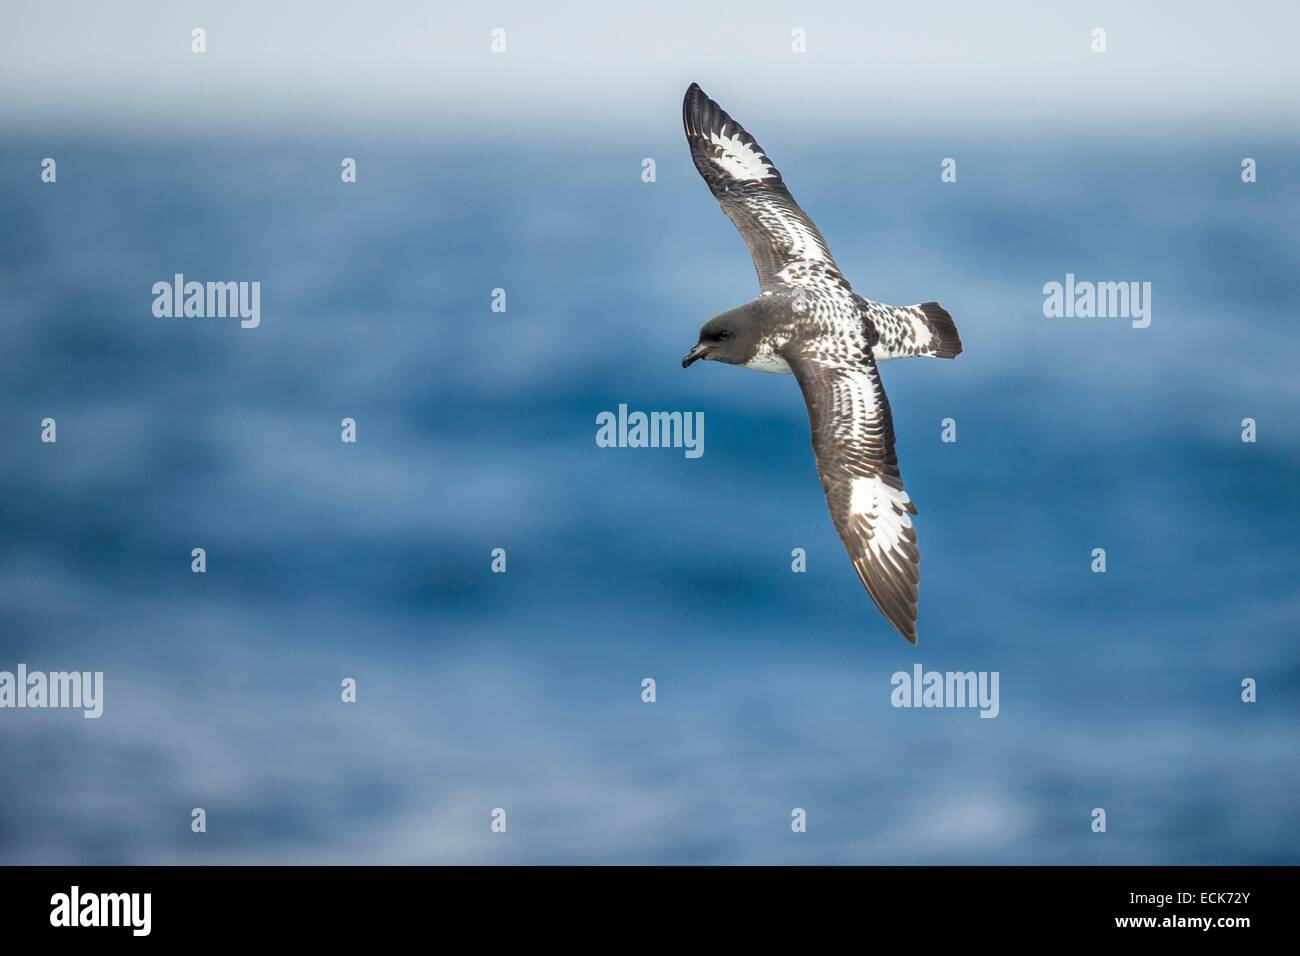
(767, 359)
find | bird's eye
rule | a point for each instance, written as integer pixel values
(724, 334)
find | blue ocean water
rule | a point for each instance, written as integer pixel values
(476, 430)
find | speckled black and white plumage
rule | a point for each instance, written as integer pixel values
(808, 320)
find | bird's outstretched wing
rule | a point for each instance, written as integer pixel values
(788, 250)
(853, 439)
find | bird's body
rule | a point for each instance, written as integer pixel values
(808, 321)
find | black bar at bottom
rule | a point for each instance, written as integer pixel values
(336, 904)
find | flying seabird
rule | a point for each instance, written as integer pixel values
(807, 320)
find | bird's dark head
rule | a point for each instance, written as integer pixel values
(731, 337)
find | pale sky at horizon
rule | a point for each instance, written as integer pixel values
(599, 70)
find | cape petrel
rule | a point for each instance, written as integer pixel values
(807, 320)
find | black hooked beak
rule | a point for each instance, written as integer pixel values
(695, 354)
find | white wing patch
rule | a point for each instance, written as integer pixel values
(884, 511)
(740, 160)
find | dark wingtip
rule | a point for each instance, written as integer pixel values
(902, 625)
(692, 103)
(900, 614)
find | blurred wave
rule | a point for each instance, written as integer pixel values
(476, 431)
